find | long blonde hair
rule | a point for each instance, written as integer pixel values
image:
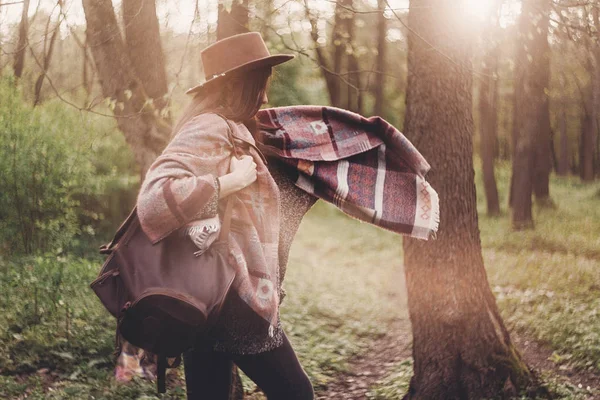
(239, 98)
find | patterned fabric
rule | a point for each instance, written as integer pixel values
(133, 361)
(364, 166)
(181, 181)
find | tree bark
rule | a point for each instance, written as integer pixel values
(586, 147)
(145, 132)
(354, 92)
(144, 48)
(563, 157)
(543, 156)
(19, 61)
(531, 78)
(381, 55)
(48, 52)
(488, 116)
(563, 147)
(339, 48)
(267, 10)
(461, 348)
(326, 65)
(233, 21)
(88, 72)
(595, 139)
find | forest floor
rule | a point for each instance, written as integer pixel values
(370, 372)
(345, 312)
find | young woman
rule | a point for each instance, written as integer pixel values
(196, 170)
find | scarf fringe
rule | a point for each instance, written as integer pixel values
(435, 221)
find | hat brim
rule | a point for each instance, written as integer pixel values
(269, 61)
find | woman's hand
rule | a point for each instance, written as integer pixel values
(244, 169)
(242, 173)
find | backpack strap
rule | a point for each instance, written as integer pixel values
(161, 374)
(232, 138)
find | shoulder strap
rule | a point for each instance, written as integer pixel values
(231, 137)
(109, 247)
(161, 374)
(224, 234)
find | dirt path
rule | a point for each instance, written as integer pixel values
(394, 347)
(374, 364)
(537, 356)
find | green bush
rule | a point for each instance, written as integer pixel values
(59, 170)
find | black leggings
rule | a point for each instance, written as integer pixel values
(277, 372)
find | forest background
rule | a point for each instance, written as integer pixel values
(502, 97)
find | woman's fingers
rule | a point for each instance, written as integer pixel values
(245, 169)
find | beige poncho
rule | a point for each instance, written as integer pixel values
(181, 184)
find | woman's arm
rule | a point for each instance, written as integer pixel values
(185, 178)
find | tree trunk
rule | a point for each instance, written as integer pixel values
(88, 72)
(47, 56)
(339, 48)
(381, 54)
(563, 160)
(267, 11)
(144, 48)
(19, 61)
(326, 65)
(234, 21)
(461, 348)
(488, 116)
(595, 139)
(355, 100)
(586, 147)
(145, 132)
(543, 158)
(531, 107)
(563, 147)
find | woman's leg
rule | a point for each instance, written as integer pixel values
(207, 375)
(278, 373)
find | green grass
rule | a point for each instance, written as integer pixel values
(395, 385)
(338, 300)
(342, 284)
(547, 280)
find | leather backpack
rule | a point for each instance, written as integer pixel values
(163, 296)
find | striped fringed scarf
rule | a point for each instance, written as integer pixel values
(364, 166)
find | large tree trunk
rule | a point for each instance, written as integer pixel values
(531, 78)
(19, 61)
(145, 132)
(233, 21)
(381, 54)
(461, 348)
(488, 115)
(144, 48)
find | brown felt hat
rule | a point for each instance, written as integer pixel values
(236, 54)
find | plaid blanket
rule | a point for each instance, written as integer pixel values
(364, 166)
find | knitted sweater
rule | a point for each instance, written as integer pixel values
(239, 330)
